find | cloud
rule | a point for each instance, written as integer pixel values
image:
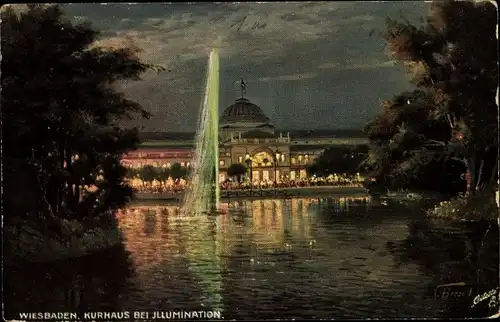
(274, 45)
(331, 65)
(292, 77)
(385, 64)
(249, 31)
(244, 33)
(347, 66)
(17, 8)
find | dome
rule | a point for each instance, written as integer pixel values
(243, 111)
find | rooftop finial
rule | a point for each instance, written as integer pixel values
(243, 88)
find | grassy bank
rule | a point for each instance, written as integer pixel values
(25, 242)
(479, 206)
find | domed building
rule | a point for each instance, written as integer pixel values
(241, 117)
(246, 136)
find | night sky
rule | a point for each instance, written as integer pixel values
(318, 65)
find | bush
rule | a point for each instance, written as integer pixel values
(479, 206)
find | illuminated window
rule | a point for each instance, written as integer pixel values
(262, 159)
(183, 164)
(169, 165)
(240, 159)
(293, 160)
(221, 162)
(188, 164)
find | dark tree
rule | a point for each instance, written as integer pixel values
(132, 173)
(451, 120)
(400, 154)
(236, 170)
(177, 171)
(343, 159)
(149, 173)
(61, 116)
(163, 174)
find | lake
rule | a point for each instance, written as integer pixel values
(269, 259)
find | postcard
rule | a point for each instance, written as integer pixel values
(241, 161)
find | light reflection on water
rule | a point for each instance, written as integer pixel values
(294, 257)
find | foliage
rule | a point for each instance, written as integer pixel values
(163, 174)
(61, 115)
(236, 170)
(448, 125)
(479, 206)
(178, 172)
(148, 173)
(133, 173)
(338, 160)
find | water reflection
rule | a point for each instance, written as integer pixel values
(266, 255)
(292, 258)
(467, 253)
(71, 286)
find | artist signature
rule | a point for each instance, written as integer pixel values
(491, 295)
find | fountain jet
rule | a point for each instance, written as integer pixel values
(203, 190)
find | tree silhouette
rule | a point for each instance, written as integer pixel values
(338, 160)
(132, 173)
(149, 173)
(451, 119)
(163, 174)
(61, 115)
(236, 170)
(177, 171)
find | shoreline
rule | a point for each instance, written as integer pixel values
(264, 193)
(32, 245)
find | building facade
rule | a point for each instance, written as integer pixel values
(246, 136)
